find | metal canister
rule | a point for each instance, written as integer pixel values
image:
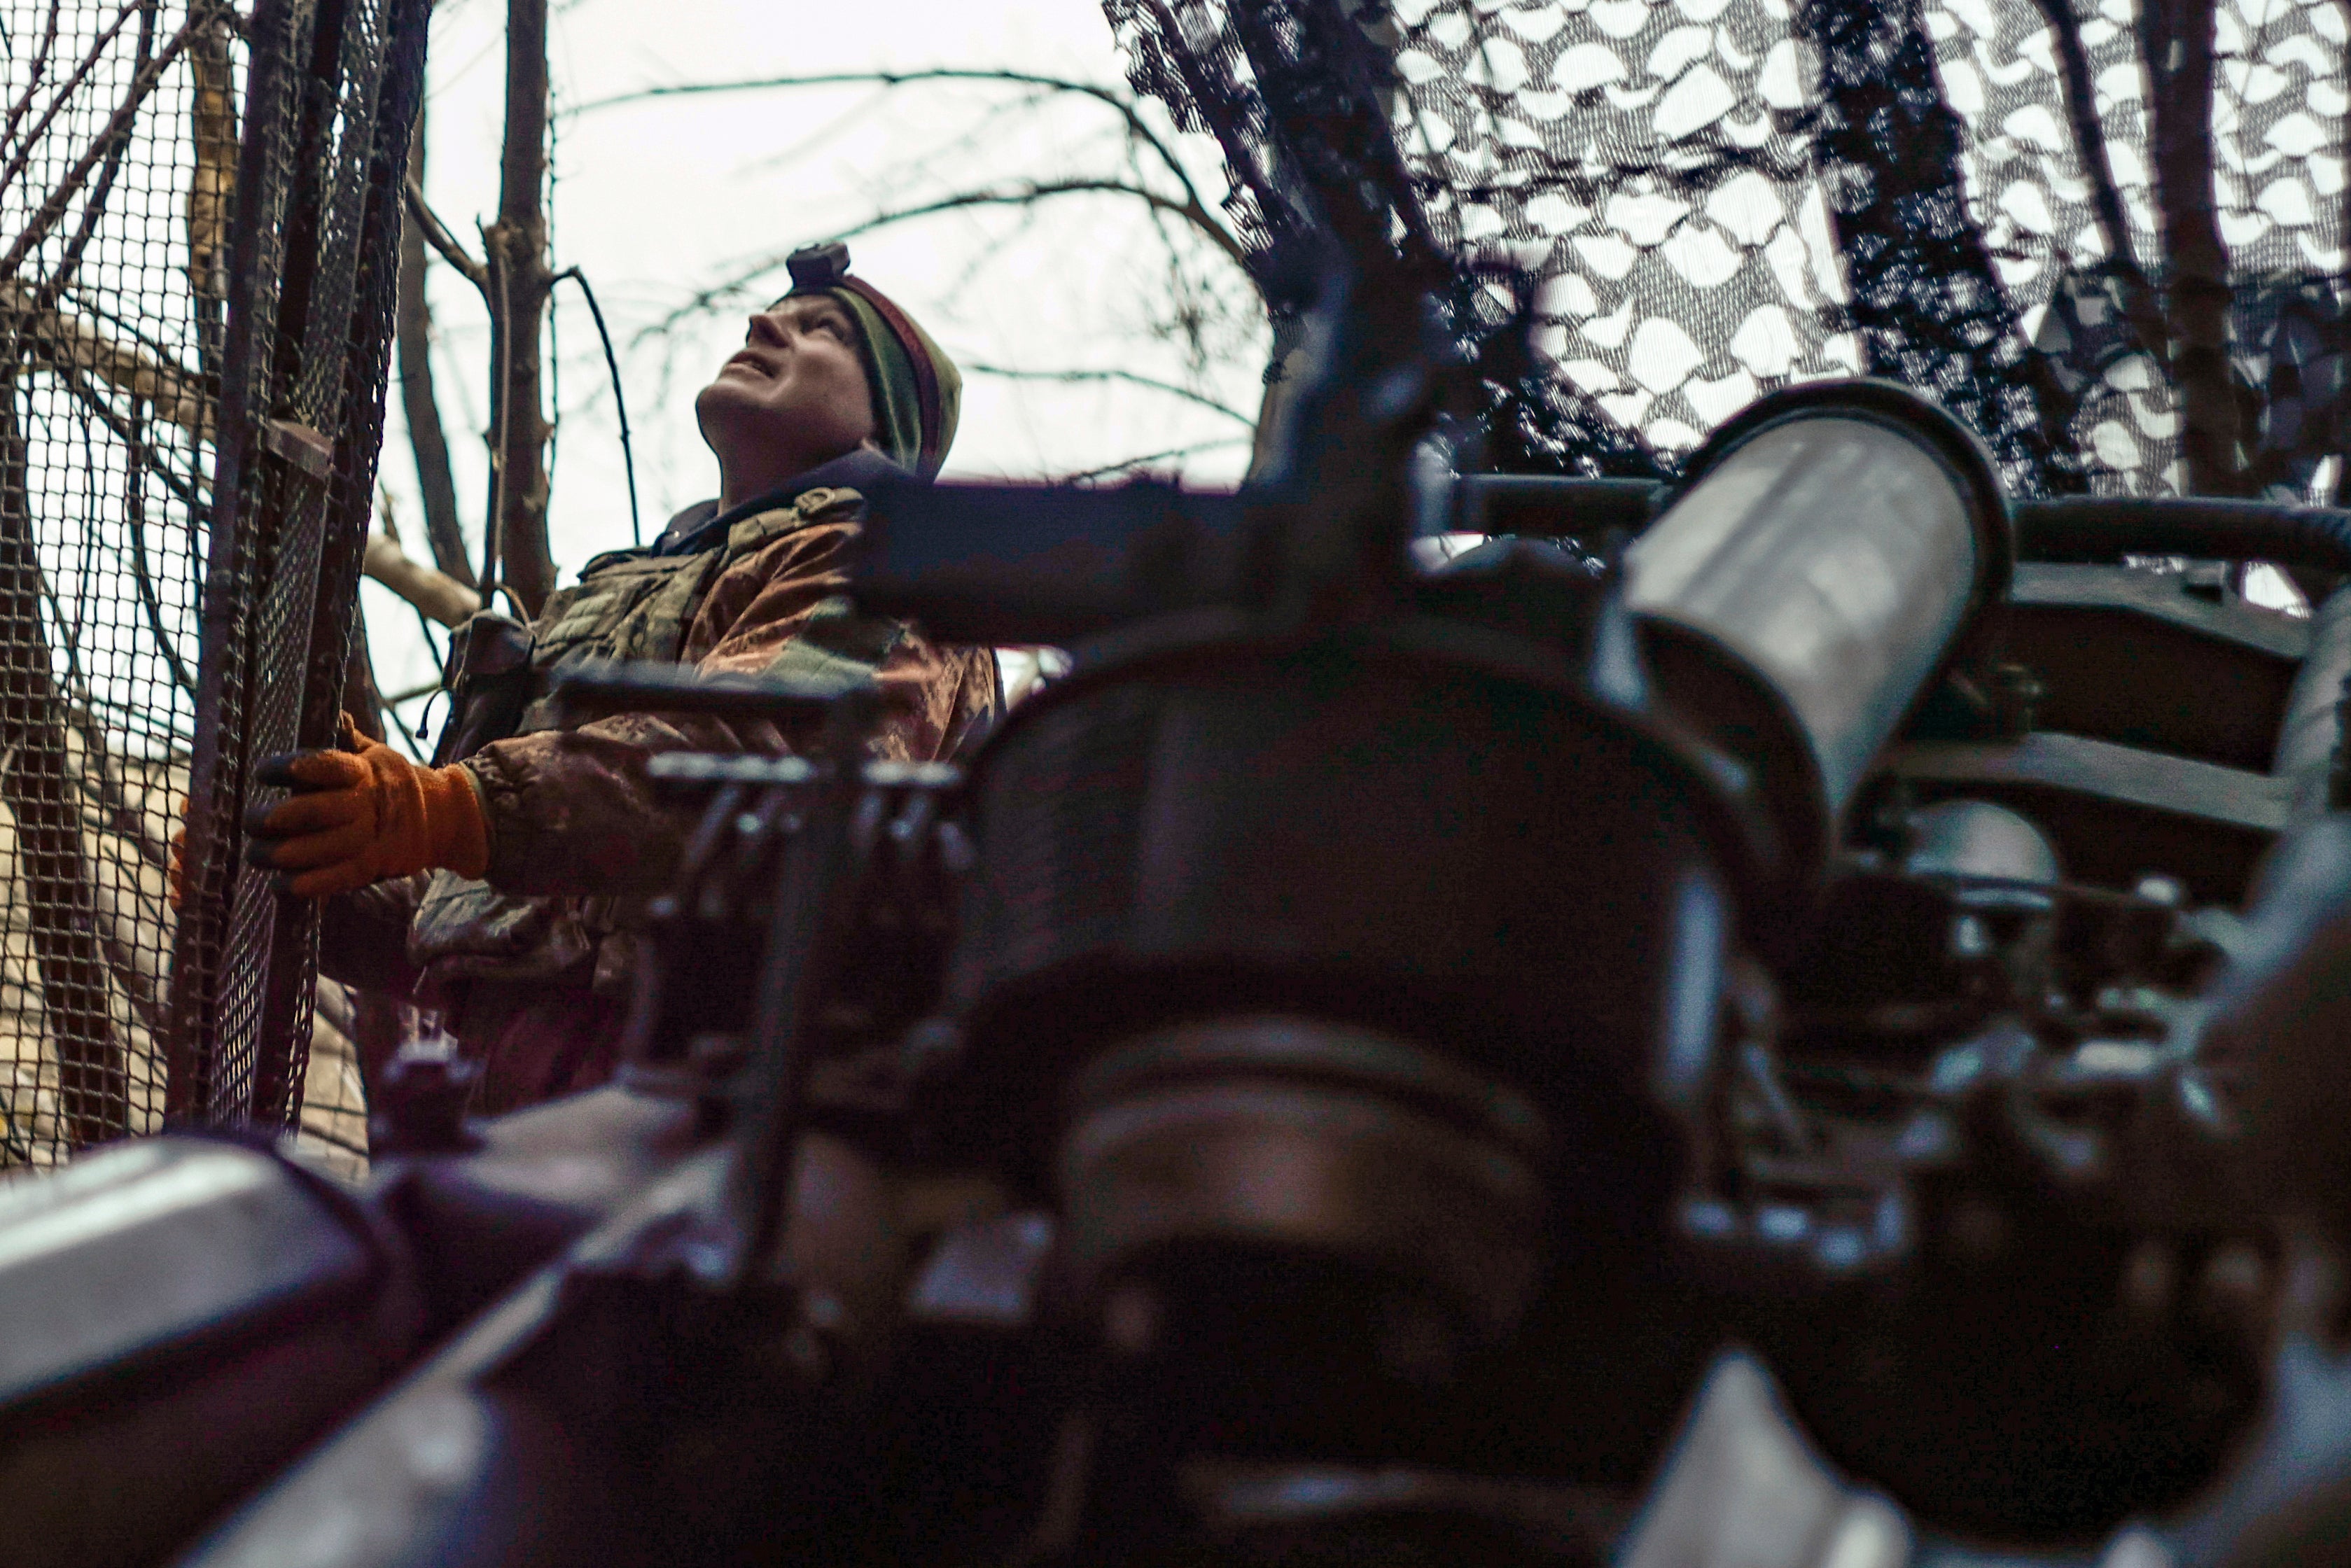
(1828, 550)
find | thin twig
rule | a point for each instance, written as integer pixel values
(620, 398)
(1085, 474)
(1009, 372)
(134, 505)
(36, 229)
(58, 100)
(1025, 195)
(1123, 106)
(113, 146)
(181, 486)
(438, 236)
(40, 66)
(420, 404)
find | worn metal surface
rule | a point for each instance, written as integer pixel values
(181, 1316)
(1826, 559)
(2311, 736)
(2115, 813)
(2142, 658)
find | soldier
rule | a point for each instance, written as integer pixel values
(503, 884)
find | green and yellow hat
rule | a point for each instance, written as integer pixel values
(917, 391)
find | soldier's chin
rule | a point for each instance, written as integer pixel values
(731, 408)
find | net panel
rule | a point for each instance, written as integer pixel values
(1717, 197)
(117, 139)
(148, 248)
(331, 108)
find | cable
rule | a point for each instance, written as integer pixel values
(620, 401)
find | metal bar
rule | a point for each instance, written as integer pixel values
(2080, 765)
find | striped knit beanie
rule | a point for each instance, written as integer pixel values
(917, 391)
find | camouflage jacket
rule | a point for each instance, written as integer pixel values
(577, 838)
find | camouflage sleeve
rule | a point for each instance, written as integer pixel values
(571, 811)
(363, 936)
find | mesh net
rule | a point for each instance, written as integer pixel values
(2128, 280)
(132, 287)
(330, 109)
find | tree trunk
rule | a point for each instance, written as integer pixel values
(2175, 39)
(516, 247)
(427, 440)
(2141, 307)
(211, 185)
(38, 787)
(360, 699)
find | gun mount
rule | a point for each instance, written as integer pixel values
(1331, 1076)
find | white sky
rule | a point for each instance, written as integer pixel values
(655, 200)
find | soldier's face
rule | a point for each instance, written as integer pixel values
(797, 389)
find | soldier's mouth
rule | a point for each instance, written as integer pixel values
(748, 362)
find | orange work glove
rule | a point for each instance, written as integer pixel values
(365, 813)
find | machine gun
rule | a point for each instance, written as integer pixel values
(1331, 1079)
(1751, 1045)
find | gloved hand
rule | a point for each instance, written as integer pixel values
(365, 813)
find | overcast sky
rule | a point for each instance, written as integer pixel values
(658, 199)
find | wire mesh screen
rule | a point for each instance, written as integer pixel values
(331, 106)
(168, 300)
(115, 148)
(2108, 233)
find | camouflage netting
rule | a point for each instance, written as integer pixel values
(2126, 282)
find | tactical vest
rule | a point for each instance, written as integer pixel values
(628, 605)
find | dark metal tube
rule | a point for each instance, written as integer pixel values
(181, 1315)
(1812, 577)
(1548, 507)
(2108, 527)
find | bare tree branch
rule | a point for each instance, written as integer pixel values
(2141, 306)
(1129, 377)
(42, 54)
(1027, 194)
(151, 602)
(1033, 190)
(436, 234)
(517, 554)
(102, 146)
(2176, 41)
(1127, 463)
(58, 100)
(211, 185)
(428, 441)
(1138, 127)
(436, 593)
(65, 341)
(186, 487)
